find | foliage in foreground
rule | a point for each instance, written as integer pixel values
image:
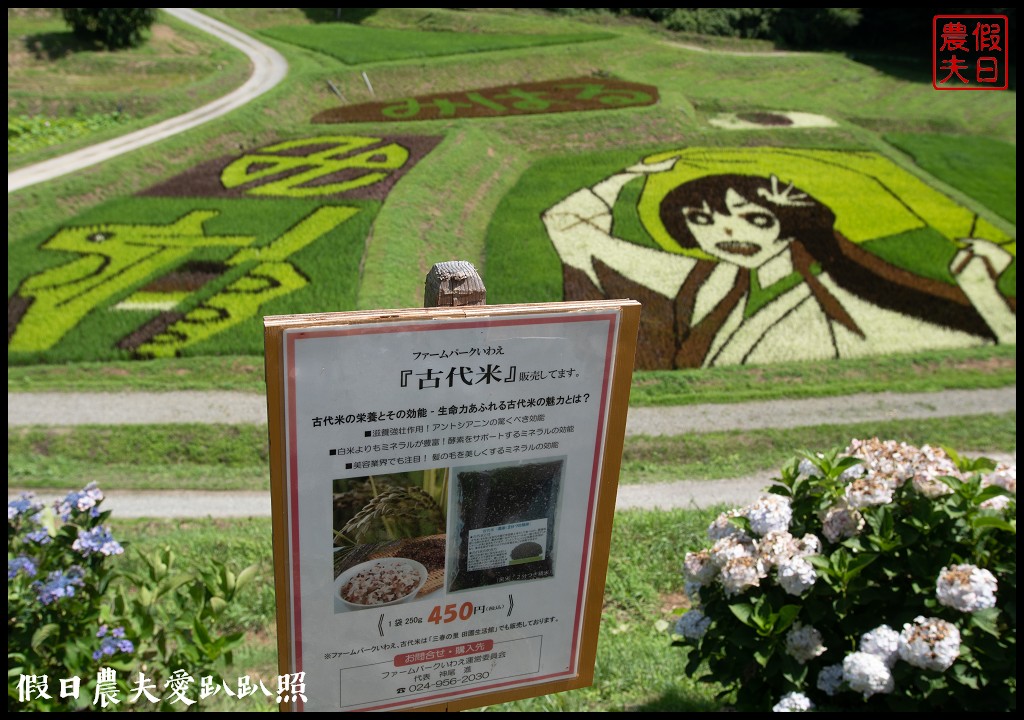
(880, 578)
(30, 132)
(85, 634)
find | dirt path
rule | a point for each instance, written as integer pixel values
(145, 408)
(57, 409)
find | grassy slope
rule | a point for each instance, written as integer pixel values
(50, 73)
(443, 208)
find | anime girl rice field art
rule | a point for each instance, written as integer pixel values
(762, 257)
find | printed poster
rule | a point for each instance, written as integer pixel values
(441, 488)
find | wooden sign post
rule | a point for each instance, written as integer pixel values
(443, 486)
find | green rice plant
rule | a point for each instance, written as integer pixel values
(989, 367)
(355, 45)
(982, 167)
(970, 368)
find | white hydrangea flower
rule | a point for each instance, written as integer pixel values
(967, 588)
(930, 643)
(769, 513)
(796, 575)
(776, 547)
(693, 624)
(852, 473)
(809, 544)
(830, 679)
(804, 642)
(730, 548)
(929, 465)
(841, 522)
(1005, 476)
(739, 573)
(870, 490)
(867, 674)
(793, 702)
(931, 487)
(722, 526)
(884, 642)
(697, 567)
(999, 502)
(899, 462)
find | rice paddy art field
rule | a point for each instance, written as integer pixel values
(565, 163)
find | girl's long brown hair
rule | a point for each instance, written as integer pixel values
(811, 225)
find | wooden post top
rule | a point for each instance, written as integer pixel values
(455, 283)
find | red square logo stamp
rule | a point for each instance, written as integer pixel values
(969, 52)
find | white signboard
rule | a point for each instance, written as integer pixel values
(441, 495)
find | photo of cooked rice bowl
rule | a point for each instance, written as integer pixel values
(379, 583)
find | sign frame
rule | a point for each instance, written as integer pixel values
(608, 455)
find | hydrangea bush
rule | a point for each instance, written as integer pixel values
(71, 610)
(882, 577)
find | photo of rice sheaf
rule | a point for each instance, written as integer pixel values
(505, 523)
(387, 529)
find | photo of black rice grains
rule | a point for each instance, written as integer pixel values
(505, 523)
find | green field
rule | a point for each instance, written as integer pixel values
(376, 204)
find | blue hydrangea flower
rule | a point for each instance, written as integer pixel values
(97, 540)
(59, 584)
(20, 564)
(40, 536)
(113, 643)
(85, 501)
(23, 505)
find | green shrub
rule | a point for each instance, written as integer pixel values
(73, 614)
(29, 132)
(881, 578)
(114, 28)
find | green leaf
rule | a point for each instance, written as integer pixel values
(991, 521)
(173, 583)
(743, 613)
(762, 657)
(787, 615)
(819, 562)
(246, 576)
(40, 636)
(986, 620)
(201, 633)
(987, 493)
(858, 563)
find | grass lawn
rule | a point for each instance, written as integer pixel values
(234, 457)
(637, 669)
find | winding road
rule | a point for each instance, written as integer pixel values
(269, 67)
